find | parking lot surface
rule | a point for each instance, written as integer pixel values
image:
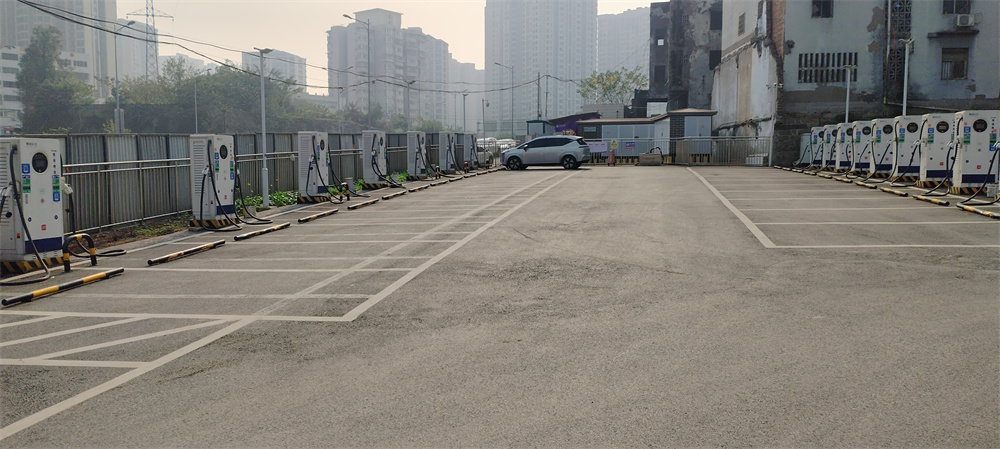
(606, 306)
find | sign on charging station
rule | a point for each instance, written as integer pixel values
(213, 176)
(34, 168)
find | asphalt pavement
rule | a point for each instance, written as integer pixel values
(601, 307)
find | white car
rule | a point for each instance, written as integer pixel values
(568, 151)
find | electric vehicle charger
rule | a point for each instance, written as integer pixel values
(228, 223)
(314, 162)
(16, 196)
(375, 165)
(993, 162)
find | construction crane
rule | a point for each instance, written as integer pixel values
(152, 56)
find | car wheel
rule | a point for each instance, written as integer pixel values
(569, 162)
(514, 163)
(578, 164)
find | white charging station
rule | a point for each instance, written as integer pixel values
(816, 136)
(373, 158)
(883, 146)
(861, 145)
(936, 139)
(314, 166)
(975, 134)
(845, 137)
(446, 155)
(34, 168)
(213, 179)
(907, 163)
(830, 147)
(416, 153)
(466, 150)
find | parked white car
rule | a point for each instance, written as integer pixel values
(568, 151)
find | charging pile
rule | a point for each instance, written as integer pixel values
(314, 170)
(952, 154)
(216, 184)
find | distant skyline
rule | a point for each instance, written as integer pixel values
(299, 26)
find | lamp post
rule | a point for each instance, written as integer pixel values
(368, 29)
(265, 200)
(196, 97)
(485, 104)
(408, 84)
(847, 103)
(906, 69)
(511, 68)
(119, 126)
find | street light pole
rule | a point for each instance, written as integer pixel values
(906, 69)
(196, 97)
(265, 199)
(847, 103)
(464, 94)
(511, 68)
(408, 84)
(368, 29)
(119, 126)
(485, 104)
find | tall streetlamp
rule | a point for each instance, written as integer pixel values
(265, 200)
(511, 68)
(906, 69)
(368, 29)
(847, 104)
(464, 94)
(119, 126)
(485, 104)
(408, 84)
(196, 97)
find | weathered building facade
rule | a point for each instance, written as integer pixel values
(684, 48)
(786, 64)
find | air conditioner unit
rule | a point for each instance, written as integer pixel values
(965, 20)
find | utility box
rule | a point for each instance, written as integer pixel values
(883, 146)
(861, 145)
(416, 153)
(830, 146)
(976, 161)
(373, 158)
(34, 168)
(936, 148)
(907, 163)
(314, 166)
(213, 180)
(817, 137)
(845, 137)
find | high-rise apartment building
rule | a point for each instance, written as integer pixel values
(86, 45)
(409, 69)
(623, 40)
(543, 46)
(285, 64)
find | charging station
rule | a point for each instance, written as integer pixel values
(936, 149)
(416, 153)
(830, 147)
(882, 147)
(446, 151)
(31, 213)
(861, 146)
(976, 162)
(314, 167)
(465, 150)
(373, 162)
(213, 180)
(816, 136)
(906, 164)
(845, 138)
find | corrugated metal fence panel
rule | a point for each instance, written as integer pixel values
(395, 160)
(181, 172)
(157, 178)
(84, 149)
(123, 180)
(245, 143)
(83, 172)
(281, 143)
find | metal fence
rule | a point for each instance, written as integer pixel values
(718, 150)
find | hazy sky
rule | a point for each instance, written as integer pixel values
(299, 26)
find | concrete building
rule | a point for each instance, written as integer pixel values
(10, 100)
(408, 67)
(84, 44)
(786, 64)
(285, 64)
(465, 78)
(623, 40)
(685, 45)
(554, 40)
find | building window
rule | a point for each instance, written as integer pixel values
(11, 98)
(715, 19)
(12, 84)
(827, 67)
(9, 56)
(957, 7)
(714, 58)
(742, 24)
(822, 8)
(79, 63)
(954, 62)
(13, 70)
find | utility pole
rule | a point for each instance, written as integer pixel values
(538, 95)
(152, 59)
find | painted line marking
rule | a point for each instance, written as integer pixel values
(743, 218)
(927, 207)
(273, 270)
(812, 198)
(882, 246)
(70, 364)
(28, 321)
(109, 344)
(203, 297)
(197, 316)
(877, 223)
(69, 332)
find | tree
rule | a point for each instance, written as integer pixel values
(613, 86)
(49, 91)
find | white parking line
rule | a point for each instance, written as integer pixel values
(763, 239)
(69, 332)
(877, 223)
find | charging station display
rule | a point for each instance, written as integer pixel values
(314, 166)
(936, 148)
(31, 213)
(845, 136)
(830, 146)
(883, 146)
(373, 145)
(416, 153)
(906, 164)
(213, 179)
(976, 161)
(861, 145)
